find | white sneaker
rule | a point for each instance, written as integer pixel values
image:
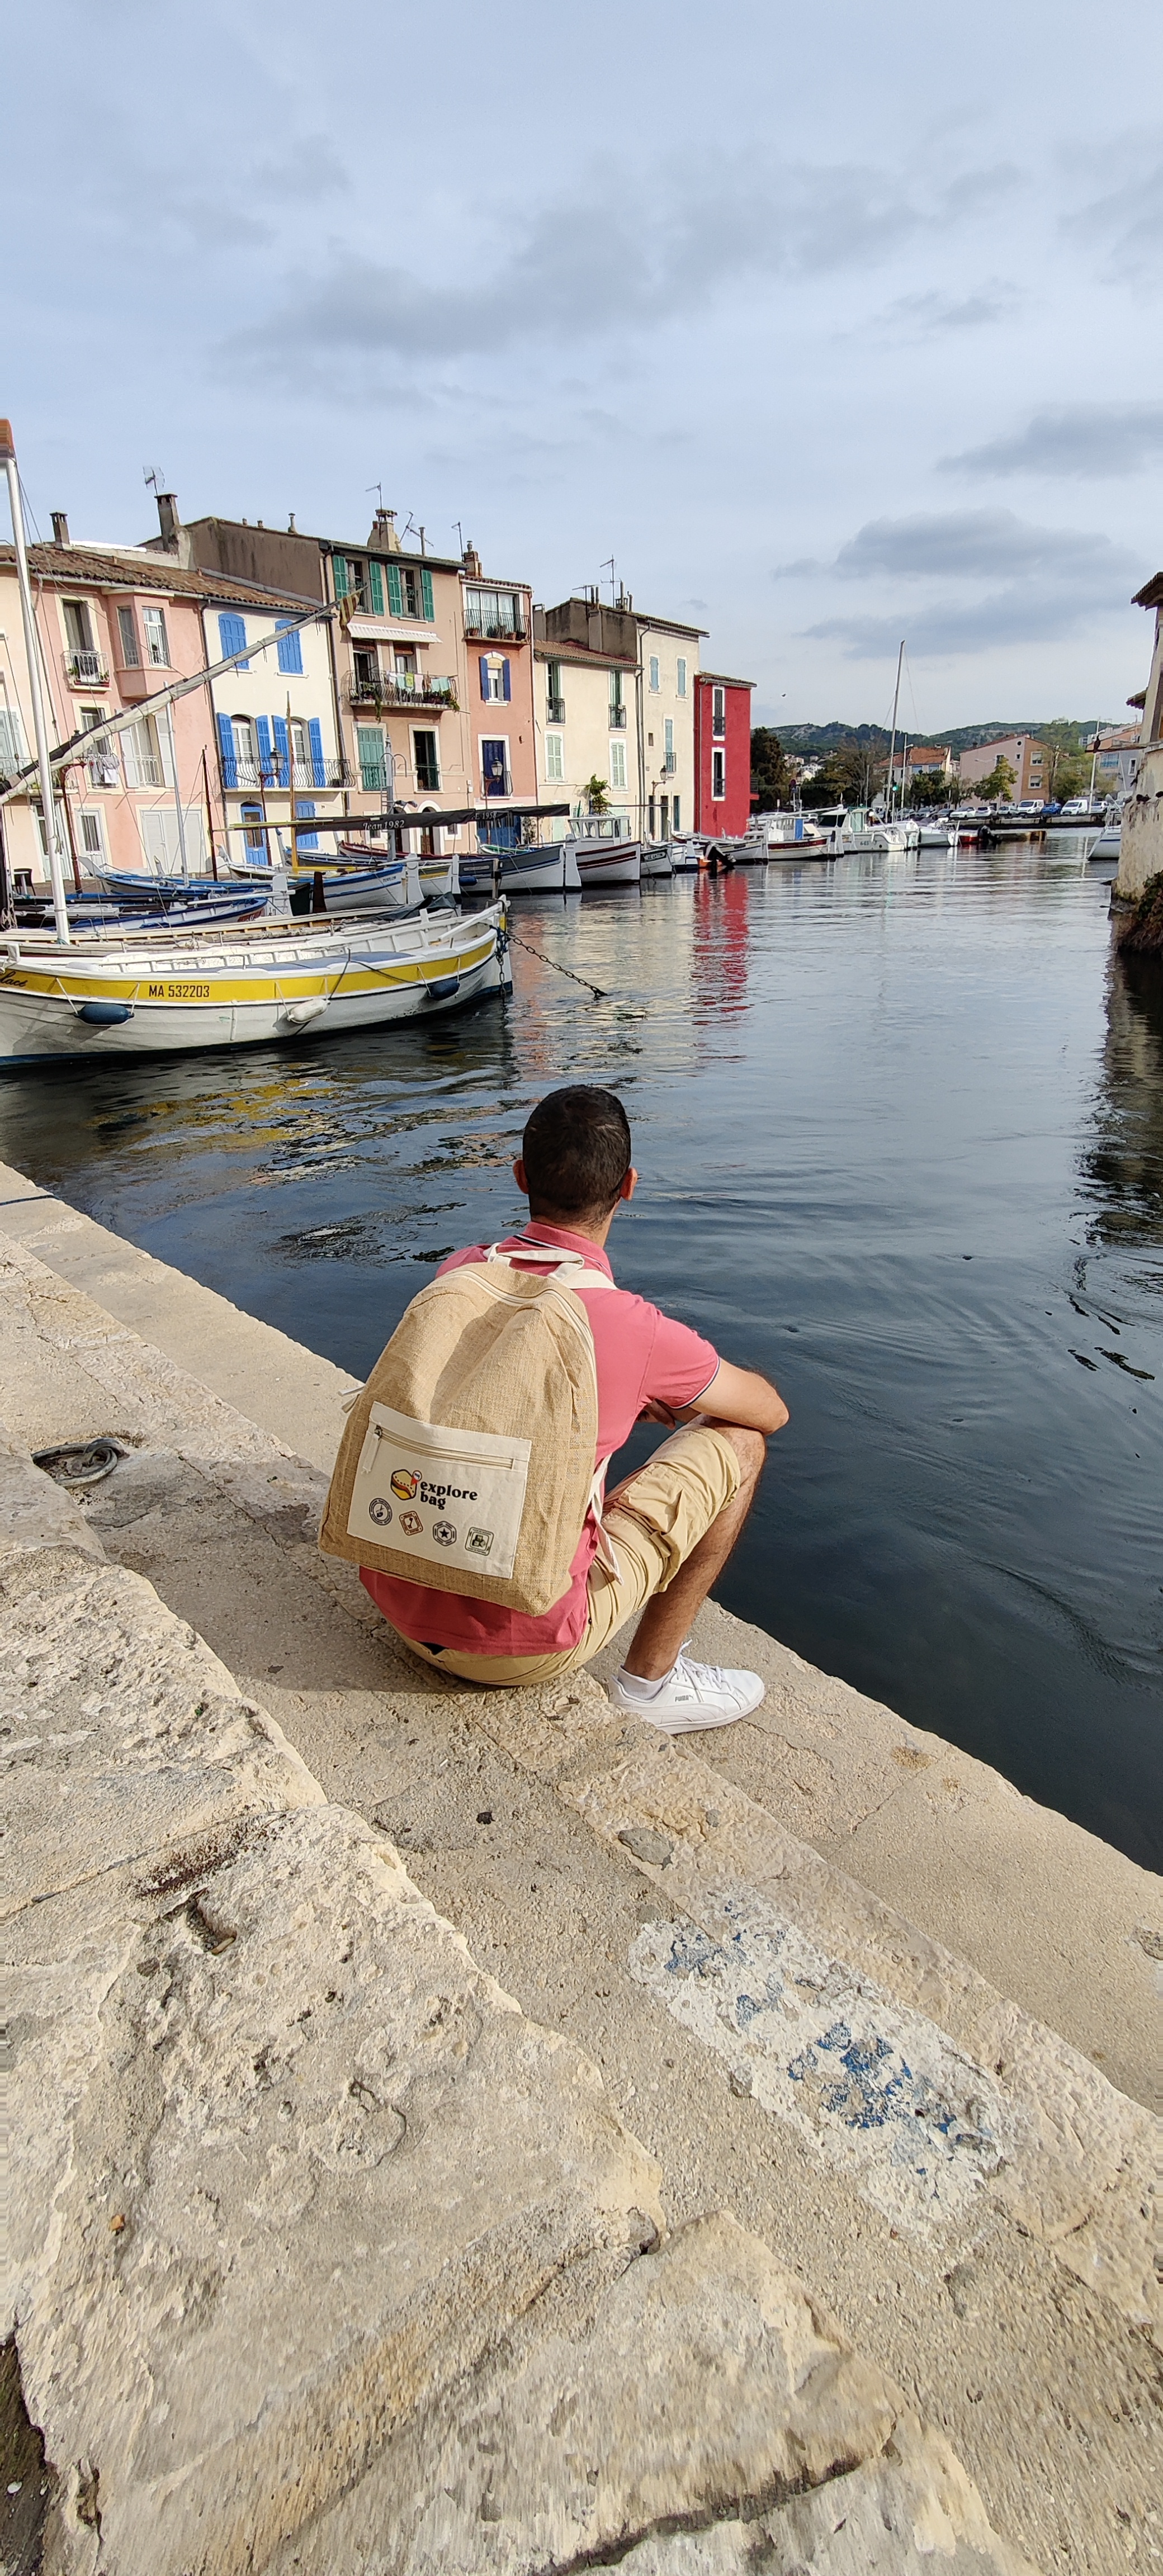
(692, 1697)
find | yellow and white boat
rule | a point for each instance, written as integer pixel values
(144, 993)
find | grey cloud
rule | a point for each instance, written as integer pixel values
(621, 256)
(1020, 613)
(1076, 439)
(1129, 219)
(799, 569)
(934, 312)
(975, 544)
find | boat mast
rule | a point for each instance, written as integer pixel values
(896, 699)
(48, 801)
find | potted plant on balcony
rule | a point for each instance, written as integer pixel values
(596, 796)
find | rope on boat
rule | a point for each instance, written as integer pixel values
(539, 953)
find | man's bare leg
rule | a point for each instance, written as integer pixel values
(667, 1620)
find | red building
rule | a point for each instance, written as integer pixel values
(722, 752)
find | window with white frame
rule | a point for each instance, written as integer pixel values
(674, 806)
(246, 762)
(426, 759)
(12, 754)
(157, 650)
(718, 713)
(617, 764)
(555, 755)
(92, 840)
(127, 633)
(680, 682)
(143, 754)
(668, 745)
(718, 777)
(654, 671)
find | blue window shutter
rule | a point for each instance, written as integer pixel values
(226, 752)
(282, 753)
(484, 678)
(232, 636)
(339, 575)
(426, 592)
(377, 588)
(318, 768)
(290, 648)
(262, 726)
(395, 591)
(305, 840)
(505, 682)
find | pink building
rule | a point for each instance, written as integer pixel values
(115, 626)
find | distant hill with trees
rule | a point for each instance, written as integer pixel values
(814, 742)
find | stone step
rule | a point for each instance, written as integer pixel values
(323, 2254)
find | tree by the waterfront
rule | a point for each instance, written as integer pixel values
(999, 786)
(771, 778)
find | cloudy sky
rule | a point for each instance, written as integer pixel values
(829, 324)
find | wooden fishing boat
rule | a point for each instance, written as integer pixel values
(155, 991)
(595, 861)
(656, 859)
(532, 871)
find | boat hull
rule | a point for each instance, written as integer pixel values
(533, 871)
(56, 1004)
(592, 865)
(656, 860)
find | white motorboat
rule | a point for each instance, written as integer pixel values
(656, 859)
(148, 992)
(937, 836)
(593, 862)
(1109, 843)
(533, 871)
(788, 832)
(685, 856)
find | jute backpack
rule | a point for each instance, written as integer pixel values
(468, 1459)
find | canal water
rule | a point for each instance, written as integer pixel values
(900, 1128)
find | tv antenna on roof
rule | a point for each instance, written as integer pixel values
(608, 566)
(377, 488)
(153, 478)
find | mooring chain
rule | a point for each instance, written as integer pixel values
(539, 953)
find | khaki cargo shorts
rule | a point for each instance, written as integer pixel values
(656, 1523)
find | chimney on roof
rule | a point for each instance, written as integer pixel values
(383, 532)
(292, 530)
(168, 520)
(472, 562)
(60, 528)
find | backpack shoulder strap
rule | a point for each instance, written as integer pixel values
(570, 1270)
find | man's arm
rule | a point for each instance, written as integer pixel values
(734, 1395)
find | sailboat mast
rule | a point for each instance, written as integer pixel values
(48, 801)
(896, 699)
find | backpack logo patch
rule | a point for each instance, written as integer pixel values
(477, 1542)
(404, 1484)
(411, 1524)
(379, 1511)
(444, 1533)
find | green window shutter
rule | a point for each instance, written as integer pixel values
(377, 589)
(395, 591)
(339, 570)
(426, 593)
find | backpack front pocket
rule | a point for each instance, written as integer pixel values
(438, 1495)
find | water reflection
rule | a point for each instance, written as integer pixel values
(901, 1134)
(1122, 1167)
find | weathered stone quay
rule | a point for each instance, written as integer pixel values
(465, 2131)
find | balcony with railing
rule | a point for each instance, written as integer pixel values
(555, 711)
(403, 689)
(618, 719)
(85, 670)
(251, 774)
(494, 617)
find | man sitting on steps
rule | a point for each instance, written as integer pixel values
(673, 1524)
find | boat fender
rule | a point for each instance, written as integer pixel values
(444, 988)
(105, 1015)
(298, 1015)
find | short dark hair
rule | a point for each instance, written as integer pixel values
(576, 1148)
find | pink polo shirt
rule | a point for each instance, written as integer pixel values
(642, 1356)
